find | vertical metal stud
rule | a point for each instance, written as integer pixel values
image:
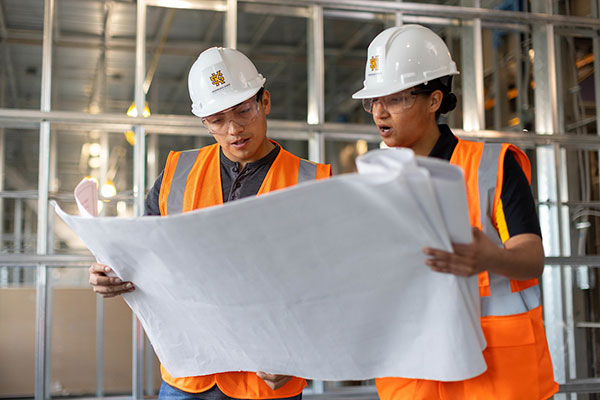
(399, 16)
(548, 160)
(42, 351)
(4, 271)
(472, 73)
(139, 168)
(18, 226)
(316, 66)
(316, 100)
(151, 175)
(316, 85)
(230, 26)
(497, 90)
(516, 40)
(99, 347)
(102, 177)
(596, 49)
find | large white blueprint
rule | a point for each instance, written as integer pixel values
(325, 280)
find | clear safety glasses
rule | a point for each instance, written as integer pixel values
(395, 103)
(243, 114)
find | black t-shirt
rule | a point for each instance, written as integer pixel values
(235, 184)
(517, 201)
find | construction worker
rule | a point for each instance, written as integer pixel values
(408, 83)
(228, 94)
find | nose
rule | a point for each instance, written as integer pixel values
(234, 127)
(379, 111)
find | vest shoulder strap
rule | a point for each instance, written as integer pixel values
(180, 166)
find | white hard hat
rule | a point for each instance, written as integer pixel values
(402, 57)
(221, 78)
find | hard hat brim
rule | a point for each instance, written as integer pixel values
(214, 107)
(386, 90)
(365, 93)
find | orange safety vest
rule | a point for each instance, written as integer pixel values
(517, 356)
(192, 180)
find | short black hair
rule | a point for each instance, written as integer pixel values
(259, 94)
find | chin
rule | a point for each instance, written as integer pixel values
(391, 142)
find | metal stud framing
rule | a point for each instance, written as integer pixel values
(139, 173)
(42, 373)
(316, 82)
(472, 73)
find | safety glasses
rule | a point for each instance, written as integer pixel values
(243, 114)
(395, 103)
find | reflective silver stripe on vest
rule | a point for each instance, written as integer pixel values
(487, 174)
(184, 166)
(307, 171)
(502, 300)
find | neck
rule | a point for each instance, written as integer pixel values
(430, 138)
(264, 149)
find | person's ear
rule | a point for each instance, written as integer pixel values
(266, 101)
(435, 100)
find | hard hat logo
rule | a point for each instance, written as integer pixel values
(217, 78)
(374, 63)
(220, 79)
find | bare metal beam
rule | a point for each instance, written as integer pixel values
(161, 39)
(176, 48)
(356, 37)
(213, 5)
(100, 73)
(230, 25)
(260, 32)
(445, 11)
(10, 71)
(299, 49)
(406, 8)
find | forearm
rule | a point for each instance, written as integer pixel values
(521, 258)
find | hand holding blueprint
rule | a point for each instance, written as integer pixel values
(325, 280)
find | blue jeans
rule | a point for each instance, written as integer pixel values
(168, 392)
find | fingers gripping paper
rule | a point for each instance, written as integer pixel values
(325, 280)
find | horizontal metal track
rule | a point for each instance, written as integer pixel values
(433, 10)
(592, 325)
(591, 385)
(278, 129)
(573, 261)
(51, 260)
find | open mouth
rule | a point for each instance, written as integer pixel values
(240, 142)
(384, 130)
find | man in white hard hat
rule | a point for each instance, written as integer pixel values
(408, 83)
(228, 94)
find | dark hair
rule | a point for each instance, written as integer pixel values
(445, 85)
(259, 94)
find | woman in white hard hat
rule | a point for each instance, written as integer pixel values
(408, 82)
(228, 93)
